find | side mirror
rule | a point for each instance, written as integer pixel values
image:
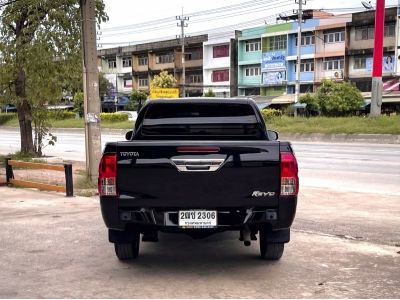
(128, 135)
(272, 135)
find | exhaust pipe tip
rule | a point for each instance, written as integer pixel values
(247, 243)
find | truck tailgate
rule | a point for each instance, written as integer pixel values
(198, 174)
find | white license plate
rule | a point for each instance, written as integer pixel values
(197, 218)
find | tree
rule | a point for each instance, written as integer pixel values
(136, 100)
(163, 80)
(40, 55)
(312, 103)
(209, 93)
(104, 85)
(338, 99)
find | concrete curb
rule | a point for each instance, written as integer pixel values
(311, 137)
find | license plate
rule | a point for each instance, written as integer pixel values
(197, 218)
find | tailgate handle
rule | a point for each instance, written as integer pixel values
(198, 165)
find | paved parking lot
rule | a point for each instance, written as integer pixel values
(52, 246)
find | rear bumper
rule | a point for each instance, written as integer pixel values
(232, 218)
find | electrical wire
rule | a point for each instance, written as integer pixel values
(163, 27)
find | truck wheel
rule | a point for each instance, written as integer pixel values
(125, 251)
(270, 251)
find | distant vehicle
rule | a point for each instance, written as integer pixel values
(132, 115)
(8, 108)
(110, 105)
(199, 166)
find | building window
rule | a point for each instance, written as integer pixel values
(195, 78)
(143, 82)
(278, 42)
(127, 83)
(220, 75)
(390, 30)
(307, 39)
(143, 60)
(334, 63)
(127, 62)
(166, 58)
(305, 66)
(334, 36)
(194, 54)
(221, 51)
(253, 71)
(253, 46)
(112, 64)
(364, 33)
(360, 63)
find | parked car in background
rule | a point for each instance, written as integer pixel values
(8, 108)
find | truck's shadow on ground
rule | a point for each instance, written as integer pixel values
(217, 254)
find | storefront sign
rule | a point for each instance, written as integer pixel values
(387, 63)
(274, 78)
(273, 61)
(156, 93)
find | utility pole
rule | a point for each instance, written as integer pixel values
(300, 21)
(377, 86)
(183, 24)
(298, 16)
(90, 88)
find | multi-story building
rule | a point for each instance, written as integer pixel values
(116, 64)
(151, 58)
(249, 61)
(330, 48)
(361, 46)
(220, 64)
(133, 67)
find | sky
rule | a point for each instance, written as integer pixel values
(133, 22)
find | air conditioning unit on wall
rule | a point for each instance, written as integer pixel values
(338, 74)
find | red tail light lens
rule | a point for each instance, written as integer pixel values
(108, 175)
(289, 175)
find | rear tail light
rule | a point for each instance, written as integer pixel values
(289, 175)
(108, 175)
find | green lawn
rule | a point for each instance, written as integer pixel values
(77, 123)
(348, 125)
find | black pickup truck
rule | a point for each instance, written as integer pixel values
(199, 166)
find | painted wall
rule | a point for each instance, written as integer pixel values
(292, 48)
(291, 74)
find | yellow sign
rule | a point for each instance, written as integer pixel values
(156, 93)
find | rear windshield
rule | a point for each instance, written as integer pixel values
(203, 120)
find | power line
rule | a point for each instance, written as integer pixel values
(162, 27)
(194, 14)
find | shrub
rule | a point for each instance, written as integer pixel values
(114, 117)
(270, 113)
(4, 118)
(61, 114)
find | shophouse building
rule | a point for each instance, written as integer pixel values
(249, 61)
(220, 64)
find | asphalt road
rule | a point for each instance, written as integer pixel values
(57, 247)
(372, 168)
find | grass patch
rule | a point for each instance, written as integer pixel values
(84, 182)
(346, 125)
(76, 123)
(15, 156)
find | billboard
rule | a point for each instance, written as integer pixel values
(156, 93)
(274, 78)
(273, 61)
(387, 63)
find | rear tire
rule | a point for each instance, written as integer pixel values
(126, 251)
(270, 251)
